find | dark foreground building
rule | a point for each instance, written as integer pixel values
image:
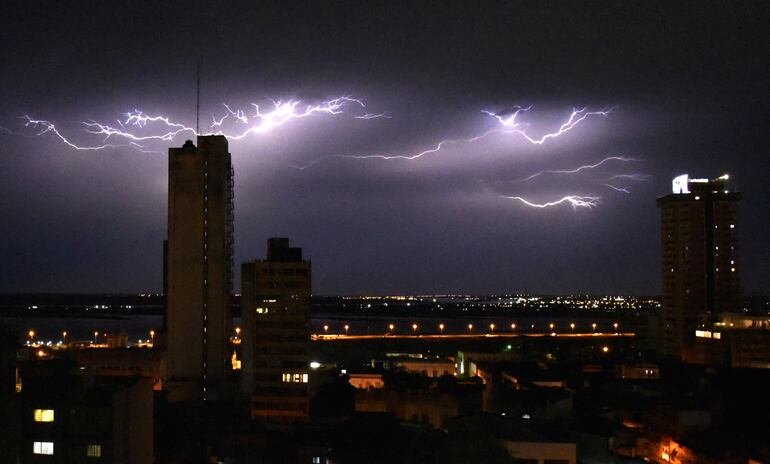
(68, 418)
(275, 312)
(699, 259)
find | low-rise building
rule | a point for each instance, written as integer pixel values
(69, 418)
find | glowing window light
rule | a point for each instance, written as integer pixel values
(42, 447)
(44, 415)
(94, 451)
(294, 378)
(703, 334)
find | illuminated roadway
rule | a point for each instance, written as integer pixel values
(503, 335)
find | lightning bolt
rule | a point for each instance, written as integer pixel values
(509, 126)
(619, 189)
(576, 170)
(577, 116)
(384, 114)
(138, 128)
(433, 149)
(47, 126)
(576, 201)
(634, 177)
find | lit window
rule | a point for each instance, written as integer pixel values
(94, 451)
(42, 447)
(703, 334)
(43, 415)
(236, 363)
(294, 378)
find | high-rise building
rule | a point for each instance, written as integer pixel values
(275, 314)
(699, 259)
(199, 263)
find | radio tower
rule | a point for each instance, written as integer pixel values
(197, 98)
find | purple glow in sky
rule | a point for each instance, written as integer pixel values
(385, 140)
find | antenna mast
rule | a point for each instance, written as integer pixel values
(197, 99)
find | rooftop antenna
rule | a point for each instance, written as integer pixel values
(197, 99)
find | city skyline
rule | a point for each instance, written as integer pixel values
(685, 100)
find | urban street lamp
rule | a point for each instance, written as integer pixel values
(391, 327)
(491, 327)
(470, 327)
(414, 328)
(441, 328)
(326, 329)
(346, 329)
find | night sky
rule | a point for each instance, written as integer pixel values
(687, 83)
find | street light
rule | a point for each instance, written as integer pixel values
(152, 335)
(96, 335)
(346, 329)
(414, 328)
(470, 327)
(326, 329)
(513, 326)
(572, 326)
(550, 326)
(441, 328)
(237, 331)
(616, 327)
(593, 325)
(64, 337)
(391, 327)
(492, 327)
(31, 335)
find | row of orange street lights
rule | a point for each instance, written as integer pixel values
(31, 335)
(492, 326)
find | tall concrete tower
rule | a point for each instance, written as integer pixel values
(699, 259)
(199, 263)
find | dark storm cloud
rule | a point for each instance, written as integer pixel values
(689, 85)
